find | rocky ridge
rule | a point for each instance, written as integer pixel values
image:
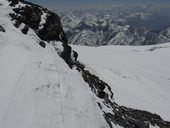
(52, 31)
(114, 113)
(46, 24)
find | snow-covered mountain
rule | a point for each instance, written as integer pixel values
(119, 25)
(37, 88)
(42, 85)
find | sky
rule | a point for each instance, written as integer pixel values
(85, 3)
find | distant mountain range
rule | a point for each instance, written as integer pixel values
(118, 25)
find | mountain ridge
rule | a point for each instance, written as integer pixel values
(119, 25)
(43, 83)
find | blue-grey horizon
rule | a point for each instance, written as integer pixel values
(85, 3)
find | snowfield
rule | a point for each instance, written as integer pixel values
(139, 75)
(37, 88)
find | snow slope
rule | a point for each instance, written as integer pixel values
(37, 88)
(139, 75)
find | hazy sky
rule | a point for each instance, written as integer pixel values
(81, 3)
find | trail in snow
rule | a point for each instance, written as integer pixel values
(30, 89)
(36, 99)
(38, 90)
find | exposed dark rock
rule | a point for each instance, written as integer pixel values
(75, 55)
(25, 30)
(42, 44)
(79, 66)
(13, 16)
(96, 85)
(13, 2)
(66, 54)
(52, 30)
(17, 24)
(31, 16)
(2, 29)
(101, 94)
(120, 115)
(132, 118)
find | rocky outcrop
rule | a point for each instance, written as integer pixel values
(30, 14)
(46, 24)
(52, 29)
(13, 2)
(118, 115)
(2, 29)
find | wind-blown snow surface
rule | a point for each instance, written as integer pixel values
(139, 75)
(37, 88)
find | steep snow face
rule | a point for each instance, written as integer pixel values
(138, 76)
(37, 88)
